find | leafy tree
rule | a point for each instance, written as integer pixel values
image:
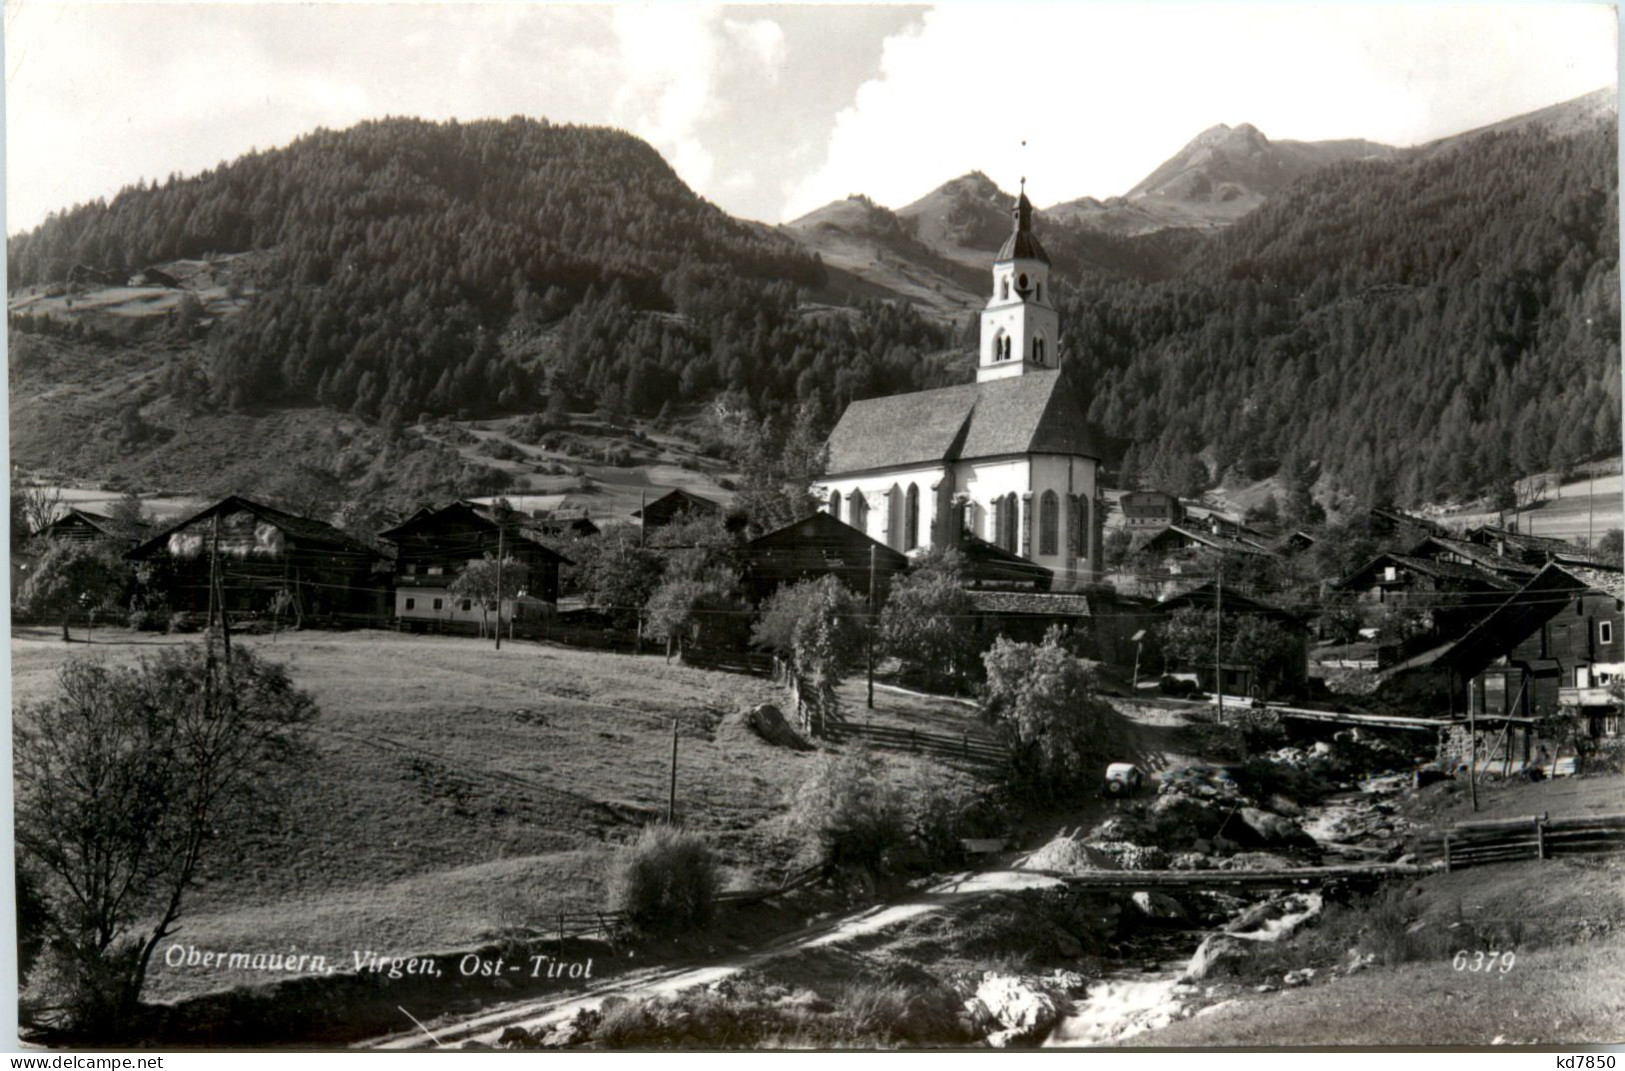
(845, 813)
(74, 576)
(129, 517)
(1062, 733)
(813, 629)
(1265, 646)
(125, 781)
(1611, 546)
(480, 582)
(615, 571)
(778, 466)
(928, 621)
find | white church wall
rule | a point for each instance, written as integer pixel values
(887, 496)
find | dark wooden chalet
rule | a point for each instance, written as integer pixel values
(676, 505)
(1558, 643)
(1447, 596)
(1027, 616)
(434, 546)
(818, 545)
(83, 526)
(568, 521)
(1476, 555)
(1399, 528)
(262, 551)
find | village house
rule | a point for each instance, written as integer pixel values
(1150, 509)
(818, 545)
(675, 506)
(1008, 459)
(1420, 602)
(434, 546)
(1542, 669)
(268, 561)
(1529, 549)
(83, 526)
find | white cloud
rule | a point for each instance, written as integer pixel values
(1103, 92)
(762, 39)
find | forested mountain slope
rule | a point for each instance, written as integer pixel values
(1421, 326)
(416, 266)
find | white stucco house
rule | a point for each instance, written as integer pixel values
(1008, 459)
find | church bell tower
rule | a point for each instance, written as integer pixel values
(1020, 328)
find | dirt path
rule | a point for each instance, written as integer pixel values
(657, 981)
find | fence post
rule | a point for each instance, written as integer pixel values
(1447, 853)
(1540, 836)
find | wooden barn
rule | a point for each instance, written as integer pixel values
(674, 506)
(83, 526)
(263, 552)
(818, 545)
(434, 546)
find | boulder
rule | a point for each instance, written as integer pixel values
(1272, 830)
(1275, 919)
(1022, 1007)
(1183, 819)
(1159, 906)
(767, 722)
(1217, 957)
(517, 1037)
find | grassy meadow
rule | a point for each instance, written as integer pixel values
(458, 791)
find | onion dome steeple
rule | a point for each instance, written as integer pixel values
(1022, 243)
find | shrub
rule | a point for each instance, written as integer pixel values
(666, 882)
(845, 814)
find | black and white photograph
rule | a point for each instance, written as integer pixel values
(672, 527)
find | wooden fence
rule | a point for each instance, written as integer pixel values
(576, 925)
(1503, 840)
(974, 747)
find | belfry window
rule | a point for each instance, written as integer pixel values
(835, 504)
(1004, 289)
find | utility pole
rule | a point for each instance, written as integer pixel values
(1591, 501)
(500, 529)
(1472, 747)
(1218, 631)
(873, 621)
(671, 800)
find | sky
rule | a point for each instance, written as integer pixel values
(770, 111)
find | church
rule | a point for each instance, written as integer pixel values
(1008, 459)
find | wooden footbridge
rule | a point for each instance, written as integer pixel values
(1223, 880)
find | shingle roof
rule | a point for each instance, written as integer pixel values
(1047, 603)
(305, 529)
(1608, 581)
(1025, 414)
(1022, 243)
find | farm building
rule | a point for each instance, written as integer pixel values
(434, 546)
(674, 506)
(1530, 549)
(83, 526)
(1150, 509)
(1027, 616)
(268, 560)
(1422, 601)
(818, 545)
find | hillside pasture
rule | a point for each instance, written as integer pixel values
(458, 791)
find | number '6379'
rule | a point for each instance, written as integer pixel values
(1483, 962)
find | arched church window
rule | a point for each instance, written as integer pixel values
(1038, 351)
(1049, 524)
(858, 508)
(1038, 291)
(911, 517)
(835, 504)
(1007, 347)
(1021, 283)
(998, 347)
(1004, 289)
(1006, 521)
